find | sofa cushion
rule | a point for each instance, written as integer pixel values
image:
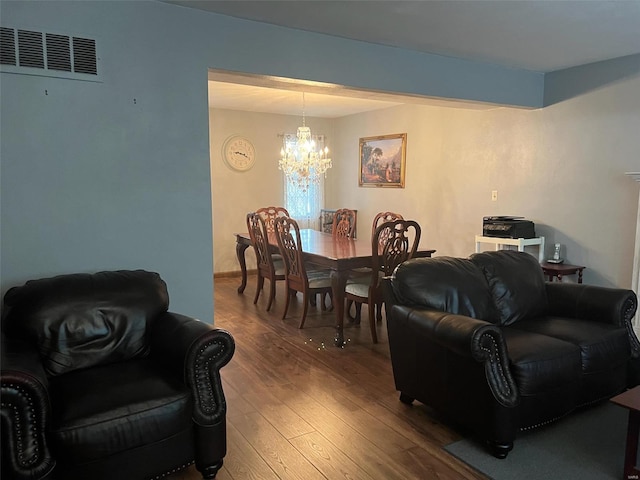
(448, 284)
(603, 347)
(516, 283)
(540, 363)
(84, 320)
(99, 412)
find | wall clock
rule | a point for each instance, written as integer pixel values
(239, 153)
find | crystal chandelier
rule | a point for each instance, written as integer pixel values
(300, 161)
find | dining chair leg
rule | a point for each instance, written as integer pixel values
(258, 288)
(305, 302)
(290, 293)
(372, 322)
(272, 293)
(330, 308)
(323, 306)
(358, 314)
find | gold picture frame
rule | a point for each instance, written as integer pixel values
(382, 161)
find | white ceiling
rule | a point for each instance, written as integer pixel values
(537, 35)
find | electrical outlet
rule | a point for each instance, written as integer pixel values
(494, 195)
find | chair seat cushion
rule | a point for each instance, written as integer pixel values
(603, 346)
(540, 363)
(278, 266)
(359, 285)
(105, 410)
(319, 278)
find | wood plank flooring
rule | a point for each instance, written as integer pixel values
(300, 408)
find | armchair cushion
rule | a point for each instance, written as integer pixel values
(448, 284)
(602, 345)
(106, 410)
(85, 320)
(540, 363)
(516, 282)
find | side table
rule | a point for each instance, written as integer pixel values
(557, 270)
(631, 401)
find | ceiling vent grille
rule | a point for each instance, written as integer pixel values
(50, 54)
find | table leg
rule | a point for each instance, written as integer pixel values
(240, 253)
(338, 283)
(580, 276)
(631, 452)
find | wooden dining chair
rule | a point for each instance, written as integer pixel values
(380, 218)
(401, 239)
(298, 278)
(344, 223)
(268, 267)
(269, 215)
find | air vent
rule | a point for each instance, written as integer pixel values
(30, 49)
(31, 52)
(84, 58)
(58, 52)
(7, 46)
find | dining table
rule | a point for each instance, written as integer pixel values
(340, 255)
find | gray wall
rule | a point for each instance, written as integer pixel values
(116, 174)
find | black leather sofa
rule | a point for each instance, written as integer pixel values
(99, 381)
(497, 350)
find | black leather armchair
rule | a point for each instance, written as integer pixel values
(494, 348)
(100, 381)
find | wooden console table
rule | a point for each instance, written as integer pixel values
(557, 270)
(499, 242)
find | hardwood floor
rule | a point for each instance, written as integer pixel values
(300, 408)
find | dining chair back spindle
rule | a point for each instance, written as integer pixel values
(297, 277)
(268, 267)
(401, 239)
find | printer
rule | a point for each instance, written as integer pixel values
(508, 227)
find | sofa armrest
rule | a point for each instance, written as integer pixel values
(616, 306)
(25, 412)
(466, 336)
(199, 351)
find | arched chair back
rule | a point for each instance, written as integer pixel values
(269, 215)
(344, 223)
(268, 268)
(296, 276)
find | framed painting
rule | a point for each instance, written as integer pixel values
(382, 161)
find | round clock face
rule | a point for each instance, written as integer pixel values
(239, 153)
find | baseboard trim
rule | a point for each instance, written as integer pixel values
(233, 274)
